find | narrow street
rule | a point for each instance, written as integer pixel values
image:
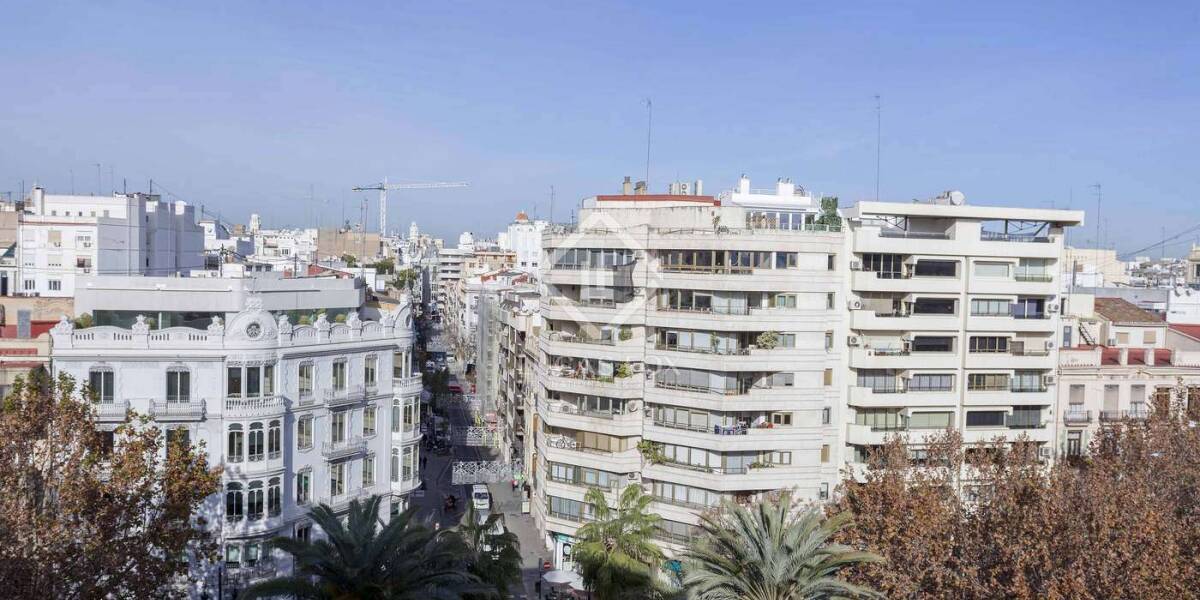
(436, 474)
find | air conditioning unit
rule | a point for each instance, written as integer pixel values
(855, 265)
(906, 337)
(1049, 379)
(1044, 452)
(1049, 344)
(1053, 308)
(649, 412)
(852, 341)
(1112, 341)
(854, 304)
(635, 476)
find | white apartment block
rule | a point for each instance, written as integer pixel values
(294, 414)
(954, 321)
(709, 335)
(523, 237)
(62, 236)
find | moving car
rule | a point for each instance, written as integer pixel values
(481, 498)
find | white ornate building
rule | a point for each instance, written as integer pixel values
(296, 414)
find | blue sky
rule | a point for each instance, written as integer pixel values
(244, 106)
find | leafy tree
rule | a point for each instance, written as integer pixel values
(350, 260)
(405, 279)
(774, 550)
(993, 521)
(85, 515)
(829, 215)
(383, 266)
(404, 559)
(495, 558)
(616, 550)
(84, 320)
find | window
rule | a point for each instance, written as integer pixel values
(337, 479)
(885, 266)
(677, 493)
(1074, 443)
(254, 501)
(829, 340)
(786, 260)
(823, 492)
(827, 377)
(825, 453)
(880, 419)
(930, 420)
(234, 502)
(992, 269)
(925, 343)
(985, 418)
(936, 268)
(783, 301)
(257, 439)
(830, 262)
(306, 380)
(178, 385)
(781, 419)
(395, 465)
(100, 381)
(274, 498)
(987, 382)
(250, 381)
(881, 381)
(369, 421)
(779, 457)
(370, 369)
(233, 553)
(234, 379)
(339, 375)
(989, 344)
(1149, 337)
(337, 427)
(1027, 381)
(29, 285)
(931, 382)
(304, 533)
(55, 238)
(54, 285)
(274, 440)
(990, 308)
(1033, 269)
(368, 471)
(1123, 339)
(396, 418)
(303, 486)
(408, 467)
(1066, 336)
(233, 452)
(933, 306)
(826, 415)
(304, 432)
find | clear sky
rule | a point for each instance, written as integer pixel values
(247, 106)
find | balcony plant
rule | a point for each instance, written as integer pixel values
(758, 464)
(625, 335)
(623, 370)
(651, 452)
(767, 340)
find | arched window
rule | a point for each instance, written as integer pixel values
(236, 443)
(274, 498)
(395, 464)
(274, 440)
(233, 502)
(254, 503)
(256, 441)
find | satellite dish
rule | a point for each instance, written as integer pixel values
(957, 198)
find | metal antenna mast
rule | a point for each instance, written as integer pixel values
(878, 139)
(649, 123)
(1099, 203)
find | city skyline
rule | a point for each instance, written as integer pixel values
(255, 106)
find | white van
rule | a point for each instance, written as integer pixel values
(481, 498)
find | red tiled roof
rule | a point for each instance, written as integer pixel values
(1118, 310)
(36, 328)
(1192, 331)
(658, 198)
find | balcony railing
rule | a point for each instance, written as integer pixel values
(178, 410)
(1110, 416)
(742, 470)
(570, 409)
(1024, 421)
(703, 349)
(739, 309)
(995, 236)
(252, 405)
(713, 429)
(701, 388)
(707, 269)
(1034, 277)
(558, 336)
(1027, 388)
(343, 396)
(111, 411)
(332, 450)
(342, 501)
(913, 235)
(1077, 416)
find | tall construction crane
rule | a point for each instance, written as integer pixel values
(385, 186)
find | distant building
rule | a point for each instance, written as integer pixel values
(1093, 267)
(62, 236)
(524, 239)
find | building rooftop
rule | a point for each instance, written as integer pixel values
(1119, 310)
(964, 211)
(658, 198)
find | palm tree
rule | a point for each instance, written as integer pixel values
(771, 551)
(615, 550)
(404, 559)
(494, 557)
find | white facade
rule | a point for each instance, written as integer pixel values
(62, 236)
(294, 414)
(524, 238)
(954, 321)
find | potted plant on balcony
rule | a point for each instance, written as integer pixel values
(767, 340)
(758, 464)
(622, 371)
(651, 452)
(625, 335)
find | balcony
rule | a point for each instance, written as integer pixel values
(1025, 238)
(178, 410)
(1034, 277)
(345, 396)
(1024, 420)
(334, 450)
(1077, 417)
(1113, 416)
(706, 269)
(341, 502)
(112, 412)
(254, 406)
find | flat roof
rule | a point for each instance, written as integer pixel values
(658, 198)
(964, 211)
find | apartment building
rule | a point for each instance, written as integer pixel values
(523, 237)
(520, 325)
(295, 414)
(954, 314)
(688, 346)
(64, 236)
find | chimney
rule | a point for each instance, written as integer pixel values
(37, 197)
(626, 187)
(699, 187)
(1149, 357)
(639, 188)
(1123, 356)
